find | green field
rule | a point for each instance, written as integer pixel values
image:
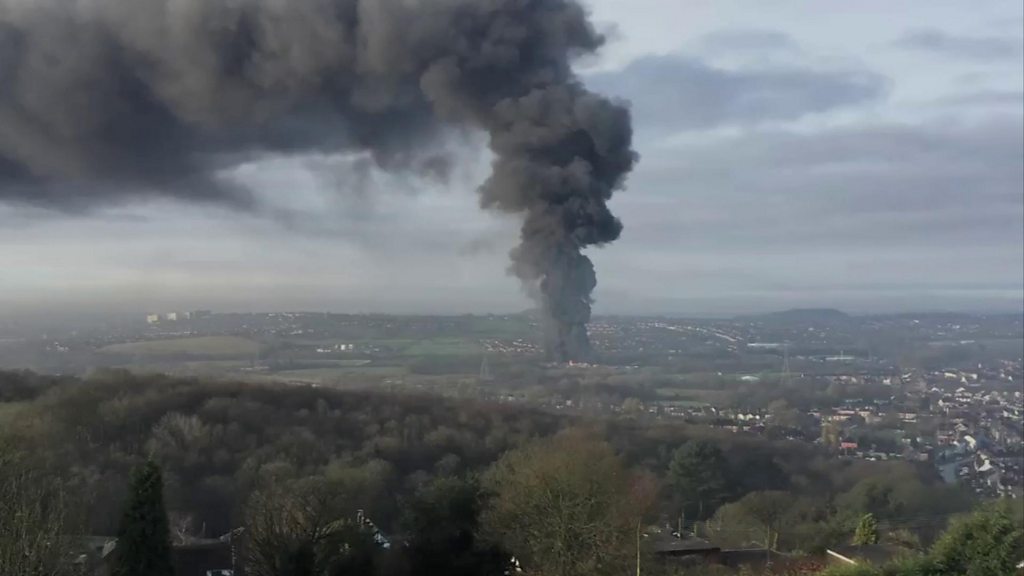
(427, 346)
(349, 363)
(207, 346)
(327, 374)
(443, 347)
(498, 327)
(438, 346)
(695, 397)
(8, 410)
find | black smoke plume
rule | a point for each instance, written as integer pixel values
(109, 100)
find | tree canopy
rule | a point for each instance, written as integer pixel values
(867, 531)
(566, 507)
(144, 538)
(441, 525)
(988, 542)
(33, 514)
(459, 486)
(697, 475)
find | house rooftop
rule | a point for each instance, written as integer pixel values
(874, 554)
(667, 544)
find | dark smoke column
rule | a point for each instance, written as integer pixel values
(561, 152)
(113, 101)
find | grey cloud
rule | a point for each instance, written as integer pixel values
(748, 40)
(958, 46)
(882, 187)
(985, 99)
(870, 216)
(681, 93)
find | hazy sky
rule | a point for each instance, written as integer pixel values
(863, 155)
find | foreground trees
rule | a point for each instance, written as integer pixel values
(867, 531)
(144, 538)
(442, 526)
(989, 542)
(757, 517)
(410, 461)
(215, 441)
(307, 528)
(697, 475)
(567, 507)
(32, 517)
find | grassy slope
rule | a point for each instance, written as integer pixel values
(209, 346)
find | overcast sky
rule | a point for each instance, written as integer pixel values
(860, 155)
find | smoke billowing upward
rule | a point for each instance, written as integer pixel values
(107, 100)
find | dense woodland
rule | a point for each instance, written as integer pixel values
(439, 474)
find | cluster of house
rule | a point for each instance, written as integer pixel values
(158, 318)
(194, 556)
(981, 439)
(332, 348)
(686, 549)
(190, 556)
(514, 346)
(991, 476)
(970, 423)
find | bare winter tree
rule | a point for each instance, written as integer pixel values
(568, 506)
(32, 518)
(304, 529)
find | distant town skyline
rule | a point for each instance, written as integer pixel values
(865, 157)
